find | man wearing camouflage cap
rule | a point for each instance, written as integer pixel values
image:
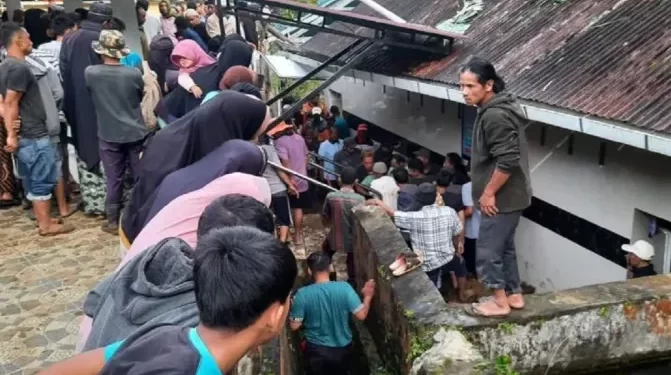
(116, 91)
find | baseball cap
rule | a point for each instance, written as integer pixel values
(282, 126)
(423, 153)
(641, 248)
(316, 111)
(380, 167)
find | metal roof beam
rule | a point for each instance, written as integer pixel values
(315, 71)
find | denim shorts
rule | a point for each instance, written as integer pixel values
(36, 159)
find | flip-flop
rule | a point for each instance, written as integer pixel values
(65, 228)
(54, 220)
(411, 264)
(400, 260)
(473, 310)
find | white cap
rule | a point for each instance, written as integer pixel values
(641, 248)
(316, 111)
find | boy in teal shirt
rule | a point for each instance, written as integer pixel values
(323, 309)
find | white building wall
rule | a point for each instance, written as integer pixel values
(604, 195)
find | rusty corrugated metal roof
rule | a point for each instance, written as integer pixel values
(607, 58)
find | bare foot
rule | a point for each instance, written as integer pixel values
(516, 301)
(56, 229)
(490, 309)
(68, 210)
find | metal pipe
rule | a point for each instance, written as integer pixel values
(367, 188)
(317, 156)
(237, 18)
(220, 16)
(388, 14)
(299, 175)
(363, 51)
(314, 72)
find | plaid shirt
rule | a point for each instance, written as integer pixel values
(431, 231)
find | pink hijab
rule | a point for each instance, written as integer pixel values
(180, 219)
(188, 49)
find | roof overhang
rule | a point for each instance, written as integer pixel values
(574, 121)
(287, 68)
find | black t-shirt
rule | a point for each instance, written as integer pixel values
(15, 75)
(643, 271)
(453, 200)
(352, 160)
(165, 350)
(361, 173)
(421, 180)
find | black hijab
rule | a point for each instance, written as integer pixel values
(160, 50)
(233, 51)
(229, 115)
(233, 156)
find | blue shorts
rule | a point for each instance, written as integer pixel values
(36, 159)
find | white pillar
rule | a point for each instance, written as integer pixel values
(12, 5)
(71, 5)
(125, 10)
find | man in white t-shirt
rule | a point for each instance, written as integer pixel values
(385, 185)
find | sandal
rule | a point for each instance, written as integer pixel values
(54, 220)
(410, 263)
(474, 310)
(400, 260)
(62, 229)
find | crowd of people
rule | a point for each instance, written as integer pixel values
(174, 150)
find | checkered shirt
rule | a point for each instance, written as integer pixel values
(431, 231)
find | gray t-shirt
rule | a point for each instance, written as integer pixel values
(15, 75)
(270, 174)
(116, 91)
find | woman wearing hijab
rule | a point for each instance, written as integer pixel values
(189, 58)
(235, 155)
(234, 76)
(160, 51)
(230, 115)
(180, 219)
(234, 51)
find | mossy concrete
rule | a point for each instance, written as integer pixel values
(568, 331)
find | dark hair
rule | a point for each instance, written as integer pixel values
(400, 175)
(181, 23)
(444, 178)
(238, 274)
(348, 175)
(399, 158)
(83, 13)
(335, 111)
(8, 31)
(18, 15)
(75, 17)
(142, 4)
(61, 23)
(319, 262)
(114, 23)
(214, 44)
(235, 209)
(485, 71)
(416, 165)
(460, 176)
(191, 5)
(247, 88)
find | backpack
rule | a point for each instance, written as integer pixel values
(150, 97)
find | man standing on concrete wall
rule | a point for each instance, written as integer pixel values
(501, 183)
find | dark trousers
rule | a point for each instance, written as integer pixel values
(116, 157)
(470, 246)
(324, 360)
(496, 260)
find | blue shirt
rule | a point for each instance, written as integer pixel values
(325, 309)
(168, 348)
(193, 35)
(472, 224)
(210, 95)
(328, 150)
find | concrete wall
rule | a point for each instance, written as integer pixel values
(605, 195)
